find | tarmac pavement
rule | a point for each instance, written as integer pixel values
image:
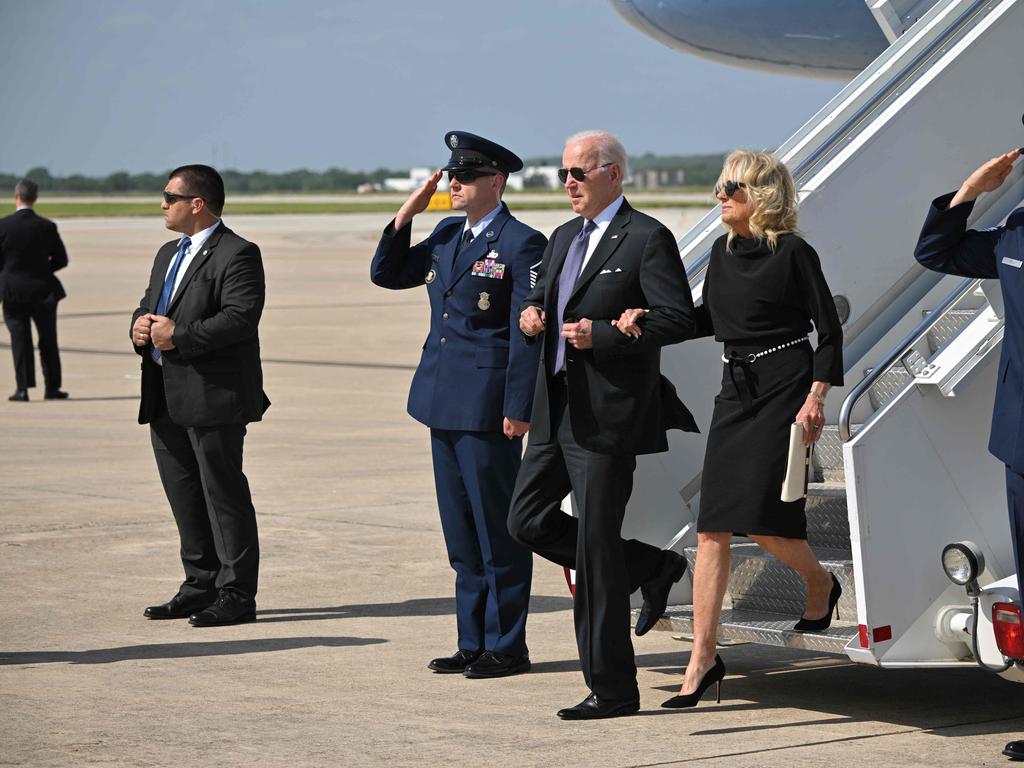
(356, 594)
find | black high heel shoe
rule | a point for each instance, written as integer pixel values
(713, 675)
(817, 625)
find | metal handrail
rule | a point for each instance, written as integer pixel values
(805, 165)
(897, 353)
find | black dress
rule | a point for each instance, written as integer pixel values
(756, 299)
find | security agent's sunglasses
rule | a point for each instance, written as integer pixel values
(171, 198)
(579, 174)
(467, 177)
(729, 187)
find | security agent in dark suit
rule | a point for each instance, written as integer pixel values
(31, 252)
(600, 401)
(196, 330)
(946, 245)
(474, 389)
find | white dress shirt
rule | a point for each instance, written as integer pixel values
(198, 239)
(601, 222)
(483, 224)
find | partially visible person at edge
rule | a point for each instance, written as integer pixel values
(947, 245)
(600, 402)
(763, 291)
(197, 333)
(474, 389)
(31, 252)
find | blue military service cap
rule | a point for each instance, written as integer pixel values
(471, 151)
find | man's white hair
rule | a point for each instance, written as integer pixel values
(609, 148)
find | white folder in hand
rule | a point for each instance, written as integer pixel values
(797, 466)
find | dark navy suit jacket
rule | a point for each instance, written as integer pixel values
(475, 368)
(946, 245)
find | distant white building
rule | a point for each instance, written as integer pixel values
(414, 180)
(539, 177)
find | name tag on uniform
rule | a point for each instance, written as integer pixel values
(1013, 262)
(488, 268)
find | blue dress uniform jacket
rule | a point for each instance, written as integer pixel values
(946, 245)
(474, 370)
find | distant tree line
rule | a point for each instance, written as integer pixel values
(701, 170)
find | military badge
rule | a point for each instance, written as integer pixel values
(488, 267)
(453, 141)
(430, 276)
(485, 301)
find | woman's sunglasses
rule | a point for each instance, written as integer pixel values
(729, 187)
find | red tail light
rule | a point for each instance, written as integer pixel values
(1009, 629)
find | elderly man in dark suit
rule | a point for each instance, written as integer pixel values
(946, 245)
(196, 330)
(600, 401)
(30, 252)
(474, 389)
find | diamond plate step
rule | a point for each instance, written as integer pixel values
(828, 523)
(738, 626)
(759, 582)
(948, 327)
(888, 384)
(827, 456)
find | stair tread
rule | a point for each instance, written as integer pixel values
(767, 628)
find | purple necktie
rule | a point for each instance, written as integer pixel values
(566, 282)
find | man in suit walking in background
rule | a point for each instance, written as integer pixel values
(474, 389)
(196, 330)
(31, 252)
(600, 401)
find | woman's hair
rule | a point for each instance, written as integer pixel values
(770, 188)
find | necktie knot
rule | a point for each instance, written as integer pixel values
(588, 227)
(467, 238)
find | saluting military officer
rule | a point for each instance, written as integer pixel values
(474, 389)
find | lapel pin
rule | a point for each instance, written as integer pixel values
(614, 237)
(490, 234)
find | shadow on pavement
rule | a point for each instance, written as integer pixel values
(180, 650)
(426, 606)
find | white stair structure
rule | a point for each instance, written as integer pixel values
(903, 469)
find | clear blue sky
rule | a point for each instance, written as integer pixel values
(94, 87)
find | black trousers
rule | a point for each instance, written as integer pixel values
(19, 319)
(201, 471)
(608, 568)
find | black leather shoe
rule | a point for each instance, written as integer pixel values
(492, 664)
(178, 607)
(655, 591)
(1014, 750)
(457, 662)
(230, 608)
(55, 394)
(19, 396)
(593, 708)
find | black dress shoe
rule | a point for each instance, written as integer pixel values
(19, 396)
(457, 662)
(55, 394)
(593, 708)
(230, 608)
(655, 591)
(712, 676)
(819, 625)
(178, 607)
(492, 664)
(1014, 750)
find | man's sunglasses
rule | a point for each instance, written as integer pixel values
(171, 199)
(729, 187)
(467, 177)
(578, 173)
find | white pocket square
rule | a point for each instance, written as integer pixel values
(605, 272)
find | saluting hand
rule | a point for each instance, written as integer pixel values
(418, 200)
(987, 178)
(627, 322)
(580, 335)
(531, 321)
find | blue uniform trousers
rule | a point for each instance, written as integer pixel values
(474, 473)
(1015, 500)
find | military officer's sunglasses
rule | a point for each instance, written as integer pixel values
(467, 177)
(729, 187)
(578, 173)
(171, 198)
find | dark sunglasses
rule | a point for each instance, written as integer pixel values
(171, 199)
(467, 177)
(730, 187)
(578, 173)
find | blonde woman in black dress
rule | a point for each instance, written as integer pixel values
(763, 291)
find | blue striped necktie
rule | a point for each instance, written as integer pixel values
(168, 291)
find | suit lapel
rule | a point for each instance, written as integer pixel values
(480, 246)
(610, 241)
(197, 262)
